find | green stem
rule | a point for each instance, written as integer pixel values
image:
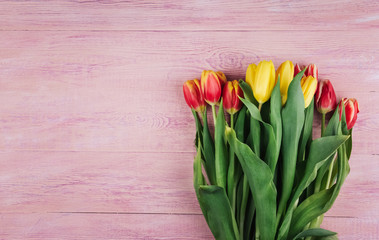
(279, 215)
(256, 222)
(232, 184)
(328, 181)
(317, 186)
(260, 106)
(256, 234)
(323, 125)
(214, 114)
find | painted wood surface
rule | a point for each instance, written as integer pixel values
(96, 141)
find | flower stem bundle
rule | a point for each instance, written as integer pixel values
(265, 176)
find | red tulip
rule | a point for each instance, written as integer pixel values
(230, 94)
(193, 95)
(351, 111)
(312, 70)
(211, 85)
(296, 70)
(325, 97)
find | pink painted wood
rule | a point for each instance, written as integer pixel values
(96, 141)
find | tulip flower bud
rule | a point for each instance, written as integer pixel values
(230, 97)
(308, 86)
(296, 70)
(193, 95)
(261, 79)
(221, 77)
(211, 86)
(312, 70)
(325, 97)
(351, 111)
(285, 71)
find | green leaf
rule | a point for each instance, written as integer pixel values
(220, 216)
(198, 127)
(253, 110)
(268, 136)
(293, 120)
(343, 121)
(306, 134)
(254, 138)
(239, 199)
(234, 169)
(320, 150)
(332, 127)
(221, 164)
(255, 130)
(276, 123)
(314, 232)
(240, 124)
(208, 151)
(260, 179)
(331, 130)
(349, 143)
(198, 178)
(272, 153)
(249, 218)
(247, 92)
(243, 206)
(320, 202)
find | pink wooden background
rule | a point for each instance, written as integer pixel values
(96, 141)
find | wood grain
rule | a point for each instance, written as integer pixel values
(109, 182)
(144, 226)
(122, 91)
(96, 141)
(189, 15)
(102, 226)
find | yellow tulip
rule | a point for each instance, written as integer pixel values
(309, 86)
(261, 78)
(286, 71)
(250, 74)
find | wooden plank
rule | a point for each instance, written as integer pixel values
(353, 228)
(97, 182)
(189, 15)
(93, 58)
(144, 226)
(48, 181)
(102, 226)
(121, 91)
(359, 194)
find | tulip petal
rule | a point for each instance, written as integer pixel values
(250, 74)
(286, 73)
(308, 86)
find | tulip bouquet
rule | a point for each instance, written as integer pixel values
(261, 175)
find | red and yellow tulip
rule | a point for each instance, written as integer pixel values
(230, 96)
(312, 70)
(193, 96)
(211, 86)
(351, 111)
(325, 97)
(297, 69)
